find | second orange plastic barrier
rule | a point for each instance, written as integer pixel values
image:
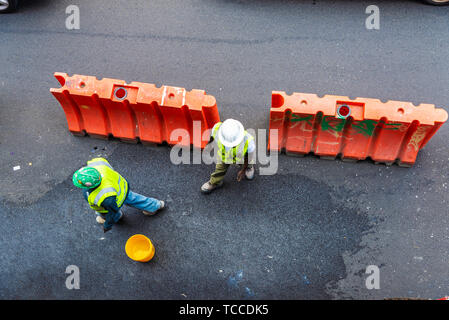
(136, 110)
(332, 126)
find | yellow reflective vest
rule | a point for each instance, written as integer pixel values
(112, 184)
(235, 154)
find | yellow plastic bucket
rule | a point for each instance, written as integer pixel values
(139, 248)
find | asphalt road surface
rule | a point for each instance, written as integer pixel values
(308, 232)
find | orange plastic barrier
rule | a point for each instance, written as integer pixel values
(353, 129)
(134, 111)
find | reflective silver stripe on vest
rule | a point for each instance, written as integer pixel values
(102, 193)
(120, 191)
(100, 163)
(119, 188)
(239, 153)
(240, 149)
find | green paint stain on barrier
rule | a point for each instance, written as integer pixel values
(296, 117)
(364, 127)
(332, 123)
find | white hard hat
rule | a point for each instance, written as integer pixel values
(231, 133)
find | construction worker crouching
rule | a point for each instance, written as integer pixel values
(235, 146)
(107, 191)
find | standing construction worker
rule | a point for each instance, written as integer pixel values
(235, 146)
(107, 191)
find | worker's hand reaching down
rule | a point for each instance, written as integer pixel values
(240, 175)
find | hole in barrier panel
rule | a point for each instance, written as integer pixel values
(344, 111)
(171, 95)
(82, 84)
(60, 79)
(120, 93)
(277, 100)
(401, 111)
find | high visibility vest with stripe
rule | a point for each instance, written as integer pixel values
(235, 154)
(112, 184)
